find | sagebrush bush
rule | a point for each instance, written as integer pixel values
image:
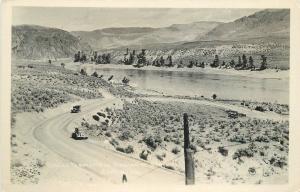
(168, 167)
(246, 152)
(144, 155)
(96, 117)
(175, 150)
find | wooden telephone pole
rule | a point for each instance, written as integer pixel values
(188, 154)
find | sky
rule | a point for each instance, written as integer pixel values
(87, 19)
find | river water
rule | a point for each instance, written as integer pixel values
(197, 84)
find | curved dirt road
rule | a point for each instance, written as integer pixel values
(105, 164)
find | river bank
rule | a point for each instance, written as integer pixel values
(265, 74)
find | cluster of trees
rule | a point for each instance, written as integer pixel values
(131, 58)
(98, 59)
(101, 58)
(159, 62)
(80, 57)
(196, 64)
(139, 60)
(242, 64)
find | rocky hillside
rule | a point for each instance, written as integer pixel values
(115, 37)
(35, 42)
(269, 22)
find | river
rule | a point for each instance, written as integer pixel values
(206, 84)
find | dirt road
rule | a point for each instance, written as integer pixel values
(108, 166)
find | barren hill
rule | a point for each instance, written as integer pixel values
(34, 42)
(269, 22)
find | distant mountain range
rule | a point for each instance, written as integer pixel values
(115, 37)
(264, 32)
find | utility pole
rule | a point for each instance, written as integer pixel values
(188, 154)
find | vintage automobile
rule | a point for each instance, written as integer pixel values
(77, 135)
(76, 109)
(234, 114)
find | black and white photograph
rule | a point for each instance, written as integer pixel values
(147, 96)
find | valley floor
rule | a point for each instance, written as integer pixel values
(138, 133)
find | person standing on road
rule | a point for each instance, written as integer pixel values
(124, 178)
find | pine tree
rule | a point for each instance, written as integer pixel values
(108, 57)
(142, 57)
(263, 62)
(232, 63)
(215, 62)
(239, 62)
(244, 63)
(191, 64)
(170, 62)
(251, 63)
(77, 57)
(162, 61)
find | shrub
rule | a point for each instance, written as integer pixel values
(243, 153)
(128, 149)
(108, 134)
(238, 138)
(259, 108)
(262, 139)
(214, 96)
(251, 171)
(96, 117)
(194, 148)
(161, 157)
(167, 138)
(101, 114)
(223, 151)
(168, 167)
(121, 149)
(95, 74)
(144, 155)
(114, 142)
(17, 164)
(175, 150)
(126, 135)
(278, 161)
(83, 72)
(40, 163)
(152, 141)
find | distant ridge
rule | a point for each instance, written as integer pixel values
(116, 37)
(269, 22)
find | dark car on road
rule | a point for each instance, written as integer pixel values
(76, 109)
(77, 135)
